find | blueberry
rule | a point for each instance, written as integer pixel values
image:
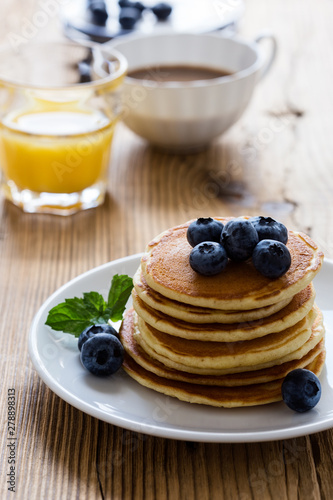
(204, 229)
(271, 258)
(102, 354)
(239, 239)
(93, 330)
(130, 3)
(162, 10)
(139, 6)
(208, 258)
(128, 16)
(301, 390)
(98, 11)
(268, 228)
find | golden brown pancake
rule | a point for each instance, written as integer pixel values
(317, 334)
(296, 310)
(196, 314)
(228, 397)
(135, 351)
(166, 269)
(222, 355)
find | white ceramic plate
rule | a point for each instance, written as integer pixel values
(121, 401)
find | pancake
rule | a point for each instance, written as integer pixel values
(196, 314)
(222, 355)
(166, 269)
(227, 340)
(228, 397)
(295, 311)
(134, 350)
(317, 334)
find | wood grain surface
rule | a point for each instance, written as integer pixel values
(277, 160)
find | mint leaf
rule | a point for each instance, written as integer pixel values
(119, 293)
(75, 314)
(94, 303)
(71, 316)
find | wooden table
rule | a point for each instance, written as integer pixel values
(277, 160)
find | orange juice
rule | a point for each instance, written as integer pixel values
(55, 151)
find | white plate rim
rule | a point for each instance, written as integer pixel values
(165, 431)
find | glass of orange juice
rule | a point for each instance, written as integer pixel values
(59, 103)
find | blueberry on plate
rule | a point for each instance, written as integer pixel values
(102, 354)
(99, 12)
(93, 330)
(162, 10)
(128, 17)
(270, 229)
(239, 238)
(271, 258)
(139, 5)
(208, 258)
(131, 3)
(301, 390)
(204, 229)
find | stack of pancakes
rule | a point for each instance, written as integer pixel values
(225, 340)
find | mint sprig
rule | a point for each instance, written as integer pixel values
(75, 314)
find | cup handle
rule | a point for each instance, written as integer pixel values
(267, 66)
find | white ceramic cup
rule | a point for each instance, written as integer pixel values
(189, 115)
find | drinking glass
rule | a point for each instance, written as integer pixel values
(59, 104)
